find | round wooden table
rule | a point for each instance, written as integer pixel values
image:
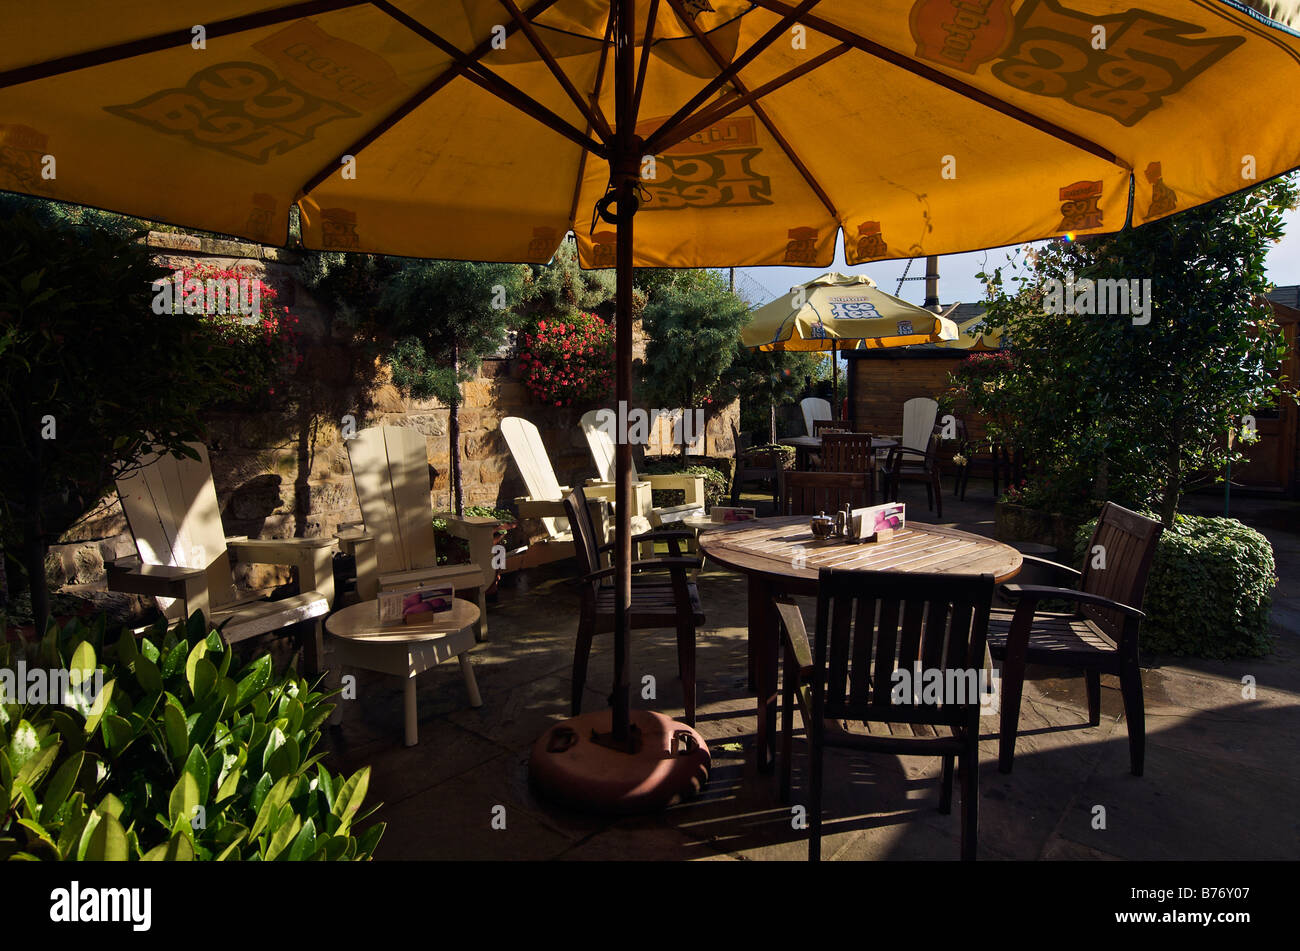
(406, 650)
(781, 556)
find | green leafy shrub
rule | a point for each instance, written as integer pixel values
(1210, 589)
(175, 759)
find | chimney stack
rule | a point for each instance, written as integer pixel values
(932, 283)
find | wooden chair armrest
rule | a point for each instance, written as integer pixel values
(795, 634)
(1055, 566)
(650, 564)
(1033, 593)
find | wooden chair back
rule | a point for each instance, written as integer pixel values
(814, 408)
(526, 448)
(823, 426)
(587, 539)
(390, 471)
(871, 624)
(847, 452)
(172, 510)
(1125, 544)
(808, 493)
(919, 414)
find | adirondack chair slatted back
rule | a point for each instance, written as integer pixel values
(1117, 563)
(171, 508)
(390, 471)
(847, 452)
(603, 449)
(533, 463)
(871, 624)
(808, 493)
(814, 408)
(919, 414)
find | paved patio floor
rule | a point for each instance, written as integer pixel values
(1221, 777)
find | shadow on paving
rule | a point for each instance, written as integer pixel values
(1215, 785)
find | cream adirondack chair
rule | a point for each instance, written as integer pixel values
(814, 408)
(184, 556)
(919, 414)
(395, 547)
(545, 496)
(602, 452)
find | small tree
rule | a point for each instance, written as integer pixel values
(91, 377)
(444, 318)
(1138, 406)
(692, 324)
(763, 380)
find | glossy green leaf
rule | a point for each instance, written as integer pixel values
(107, 842)
(197, 766)
(60, 786)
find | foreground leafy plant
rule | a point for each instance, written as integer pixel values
(175, 758)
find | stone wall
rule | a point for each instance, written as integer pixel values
(283, 471)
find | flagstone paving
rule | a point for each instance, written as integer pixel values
(1221, 776)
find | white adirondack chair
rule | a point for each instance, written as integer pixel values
(814, 408)
(545, 496)
(919, 414)
(184, 556)
(396, 548)
(602, 451)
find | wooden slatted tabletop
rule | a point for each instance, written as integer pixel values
(785, 550)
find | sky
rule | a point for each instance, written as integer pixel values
(957, 281)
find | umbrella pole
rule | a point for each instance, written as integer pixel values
(835, 382)
(646, 760)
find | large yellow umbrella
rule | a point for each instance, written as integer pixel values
(838, 312)
(732, 132)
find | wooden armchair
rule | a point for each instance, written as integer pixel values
(938, 621)
(909, 464)
(674, 604)
(1101, 636)
(184, 557)
(746, 473)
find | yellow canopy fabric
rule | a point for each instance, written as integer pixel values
(990, 338)
(913, 127)
(842, 312)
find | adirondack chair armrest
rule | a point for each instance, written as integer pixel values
(795, 634)
(540, 508)
(313, 557)
(1029, 594)
(128, 576)
(479, 531)
(691, 485)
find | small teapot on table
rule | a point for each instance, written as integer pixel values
(822, 525)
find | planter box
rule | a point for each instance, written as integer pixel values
(1016, 523)
(768, 460)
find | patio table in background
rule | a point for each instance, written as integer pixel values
(766, 550)
(806, 444)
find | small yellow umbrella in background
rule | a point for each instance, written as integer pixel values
(837, 312)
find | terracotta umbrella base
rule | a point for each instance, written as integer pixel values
(568, 767)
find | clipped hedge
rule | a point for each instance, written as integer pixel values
(717, 490)
(176, 757)
(1210, 589)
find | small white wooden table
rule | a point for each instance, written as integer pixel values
(406, 650)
